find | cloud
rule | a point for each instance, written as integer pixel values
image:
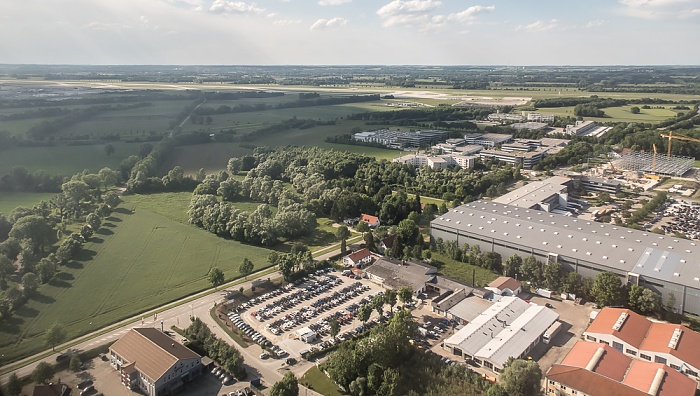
(286, 22)
(234, 7)
(107, 26)
(333, 2)
(661, 9)
(421, 13)
(595, 23)
(540, 26)
(328, 23)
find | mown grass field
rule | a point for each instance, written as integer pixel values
(10, 200)
(135, 262)
(315, 380)
(462, 271)
(620, 114)
(65, 160)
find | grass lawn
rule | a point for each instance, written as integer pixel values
(462, 271)
(316, 380)
(697, 164)
(619, 114)
(135, 262)
(10, 200)
(65, 160)
(428, 200)
(213, 157)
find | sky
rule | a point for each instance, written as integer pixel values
(351, 32)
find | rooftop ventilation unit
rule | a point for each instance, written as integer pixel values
(673, 343)
(620, 321)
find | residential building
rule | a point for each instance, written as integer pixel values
(634, 335)
(358, 258)
(664, 264)
(600, 370)
(385, 244)
(372, 221)
(153, 363)
(505, 286)
(509, 328)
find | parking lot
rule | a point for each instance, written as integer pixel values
(272, 320)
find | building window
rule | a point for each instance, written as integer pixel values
(591, 338)
(673, 366)
(691, 372)
(617, 346)
(659, 359)
(573, 392)
(645, 357)
(604, 342)
(551, 382)
(631, 352)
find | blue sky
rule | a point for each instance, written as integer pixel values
(326, 32)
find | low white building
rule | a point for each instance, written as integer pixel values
(509, 328)
(505, 286)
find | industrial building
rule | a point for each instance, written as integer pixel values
(664, 264)
(580, 128)
(509, 328)
(487, 139)
(539, 117)
(438, 161)
(599, 370)
(546, 195)
(531, 125)
(634, 335)
(401, 139)
(526, 160)
(660, 164)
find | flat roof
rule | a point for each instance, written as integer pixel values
(397, 273)
(469, 308)
(654, 256)
(533, 193)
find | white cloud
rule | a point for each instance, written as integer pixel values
(540, 26)
(328, 23)
(107, 26)
(420, 13)
(660, 9)
(234, 7)
(595, 23)
(333, 2)
(286, 22)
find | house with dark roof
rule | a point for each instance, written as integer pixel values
(634, 335)
(599, 370)
(386, 244)
(372, 221)
(58, 389)
(153, 363)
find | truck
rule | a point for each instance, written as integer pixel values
(544, 293)
(551, 332)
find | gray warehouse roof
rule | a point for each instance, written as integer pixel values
(533, 193)
(654, 256)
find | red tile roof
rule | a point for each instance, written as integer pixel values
(589, 382)
(371, 220)
(503, 282)
(632, 331)
(610, 363)
(641, 376)
(659, 335)
(359, 255)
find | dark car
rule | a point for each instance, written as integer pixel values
(62, 357)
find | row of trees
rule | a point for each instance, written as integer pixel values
(226, 355)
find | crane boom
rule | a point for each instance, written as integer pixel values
(671, 136)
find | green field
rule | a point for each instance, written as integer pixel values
(135, 262)
(213, 157)
(10, 200)
(65, 160)
(620, 114)
(462, 271)
(315, 380)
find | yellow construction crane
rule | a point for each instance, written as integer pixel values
(653, 162)
(671, 136)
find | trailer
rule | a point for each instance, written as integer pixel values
(544, 293)
(551, 332)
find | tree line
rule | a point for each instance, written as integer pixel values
(302, 102)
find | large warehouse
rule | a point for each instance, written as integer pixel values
(664, 264)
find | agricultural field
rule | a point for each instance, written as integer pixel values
(10, 200)
(621, 113)
(213, 157)
(136, 261)
(65, 160)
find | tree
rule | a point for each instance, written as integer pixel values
(342, 234)
(552, 275)
(643, 301)
(378, 304)
(33, 231)
(521, 378)
(86, 232)
(573, 283)
(512, 266)
(246, 267)
(335, 326)
(390, 298)
(54, 335)
(216, 276)
(109, 149)
(14, 385)
(635, 110)
(112, 199)
(670, 308)
(234, 165)
(607, 289)
(496, 390)
(362, 227)
(94, 221)
(492, 261)
(75, 363)
(531, 270)
(42, 373)
(30, 282)
(405, 294)
(108, 176)
(287, 386)
(364, 313)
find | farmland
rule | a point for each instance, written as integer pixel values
(136, 261)
(621, 113)
(10, 200)
(65, 160)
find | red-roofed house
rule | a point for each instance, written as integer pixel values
(634, 335)
(598, 370)
(505, 286)
(362, 256)
(372, 221)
